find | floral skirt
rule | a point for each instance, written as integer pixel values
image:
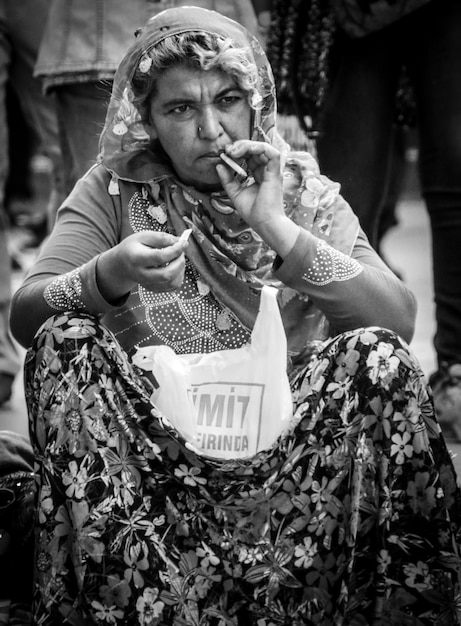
(350, 518)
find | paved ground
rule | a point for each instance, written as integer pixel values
(407, 248)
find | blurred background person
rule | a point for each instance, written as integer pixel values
(21, 27)
(358, 71)
(81, 48)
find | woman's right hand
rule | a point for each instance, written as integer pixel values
(154, 260)
(260, 204)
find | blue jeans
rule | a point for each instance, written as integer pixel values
(21, 25)
(355, 146)
(81, 110)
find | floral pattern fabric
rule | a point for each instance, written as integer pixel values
(351, 518)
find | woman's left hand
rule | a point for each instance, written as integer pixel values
(260, 204)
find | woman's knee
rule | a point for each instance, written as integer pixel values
(367, 357)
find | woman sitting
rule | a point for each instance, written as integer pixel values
(348, 515)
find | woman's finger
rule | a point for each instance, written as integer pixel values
(261, 158)
(231, 183)
(244, 148)
(165, 277)
(162, 257)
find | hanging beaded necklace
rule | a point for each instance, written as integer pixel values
(299, 45)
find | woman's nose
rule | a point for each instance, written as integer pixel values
(209, 126)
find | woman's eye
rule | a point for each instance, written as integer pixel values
(182, 108)
(229, 100)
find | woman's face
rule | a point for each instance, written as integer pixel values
(195, 114)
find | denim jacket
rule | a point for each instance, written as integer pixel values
(86, 39)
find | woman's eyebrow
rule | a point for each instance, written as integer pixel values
(228, 89)
(188, 99)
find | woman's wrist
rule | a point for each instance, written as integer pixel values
(111, 283)
(280, 234)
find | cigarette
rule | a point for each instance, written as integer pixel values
(242, 175)
(185, 235)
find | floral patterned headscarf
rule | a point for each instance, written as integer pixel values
(228, 254)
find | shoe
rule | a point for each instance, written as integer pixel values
(6, 387)
(446, 390)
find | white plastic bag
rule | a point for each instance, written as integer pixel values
(229, 403)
